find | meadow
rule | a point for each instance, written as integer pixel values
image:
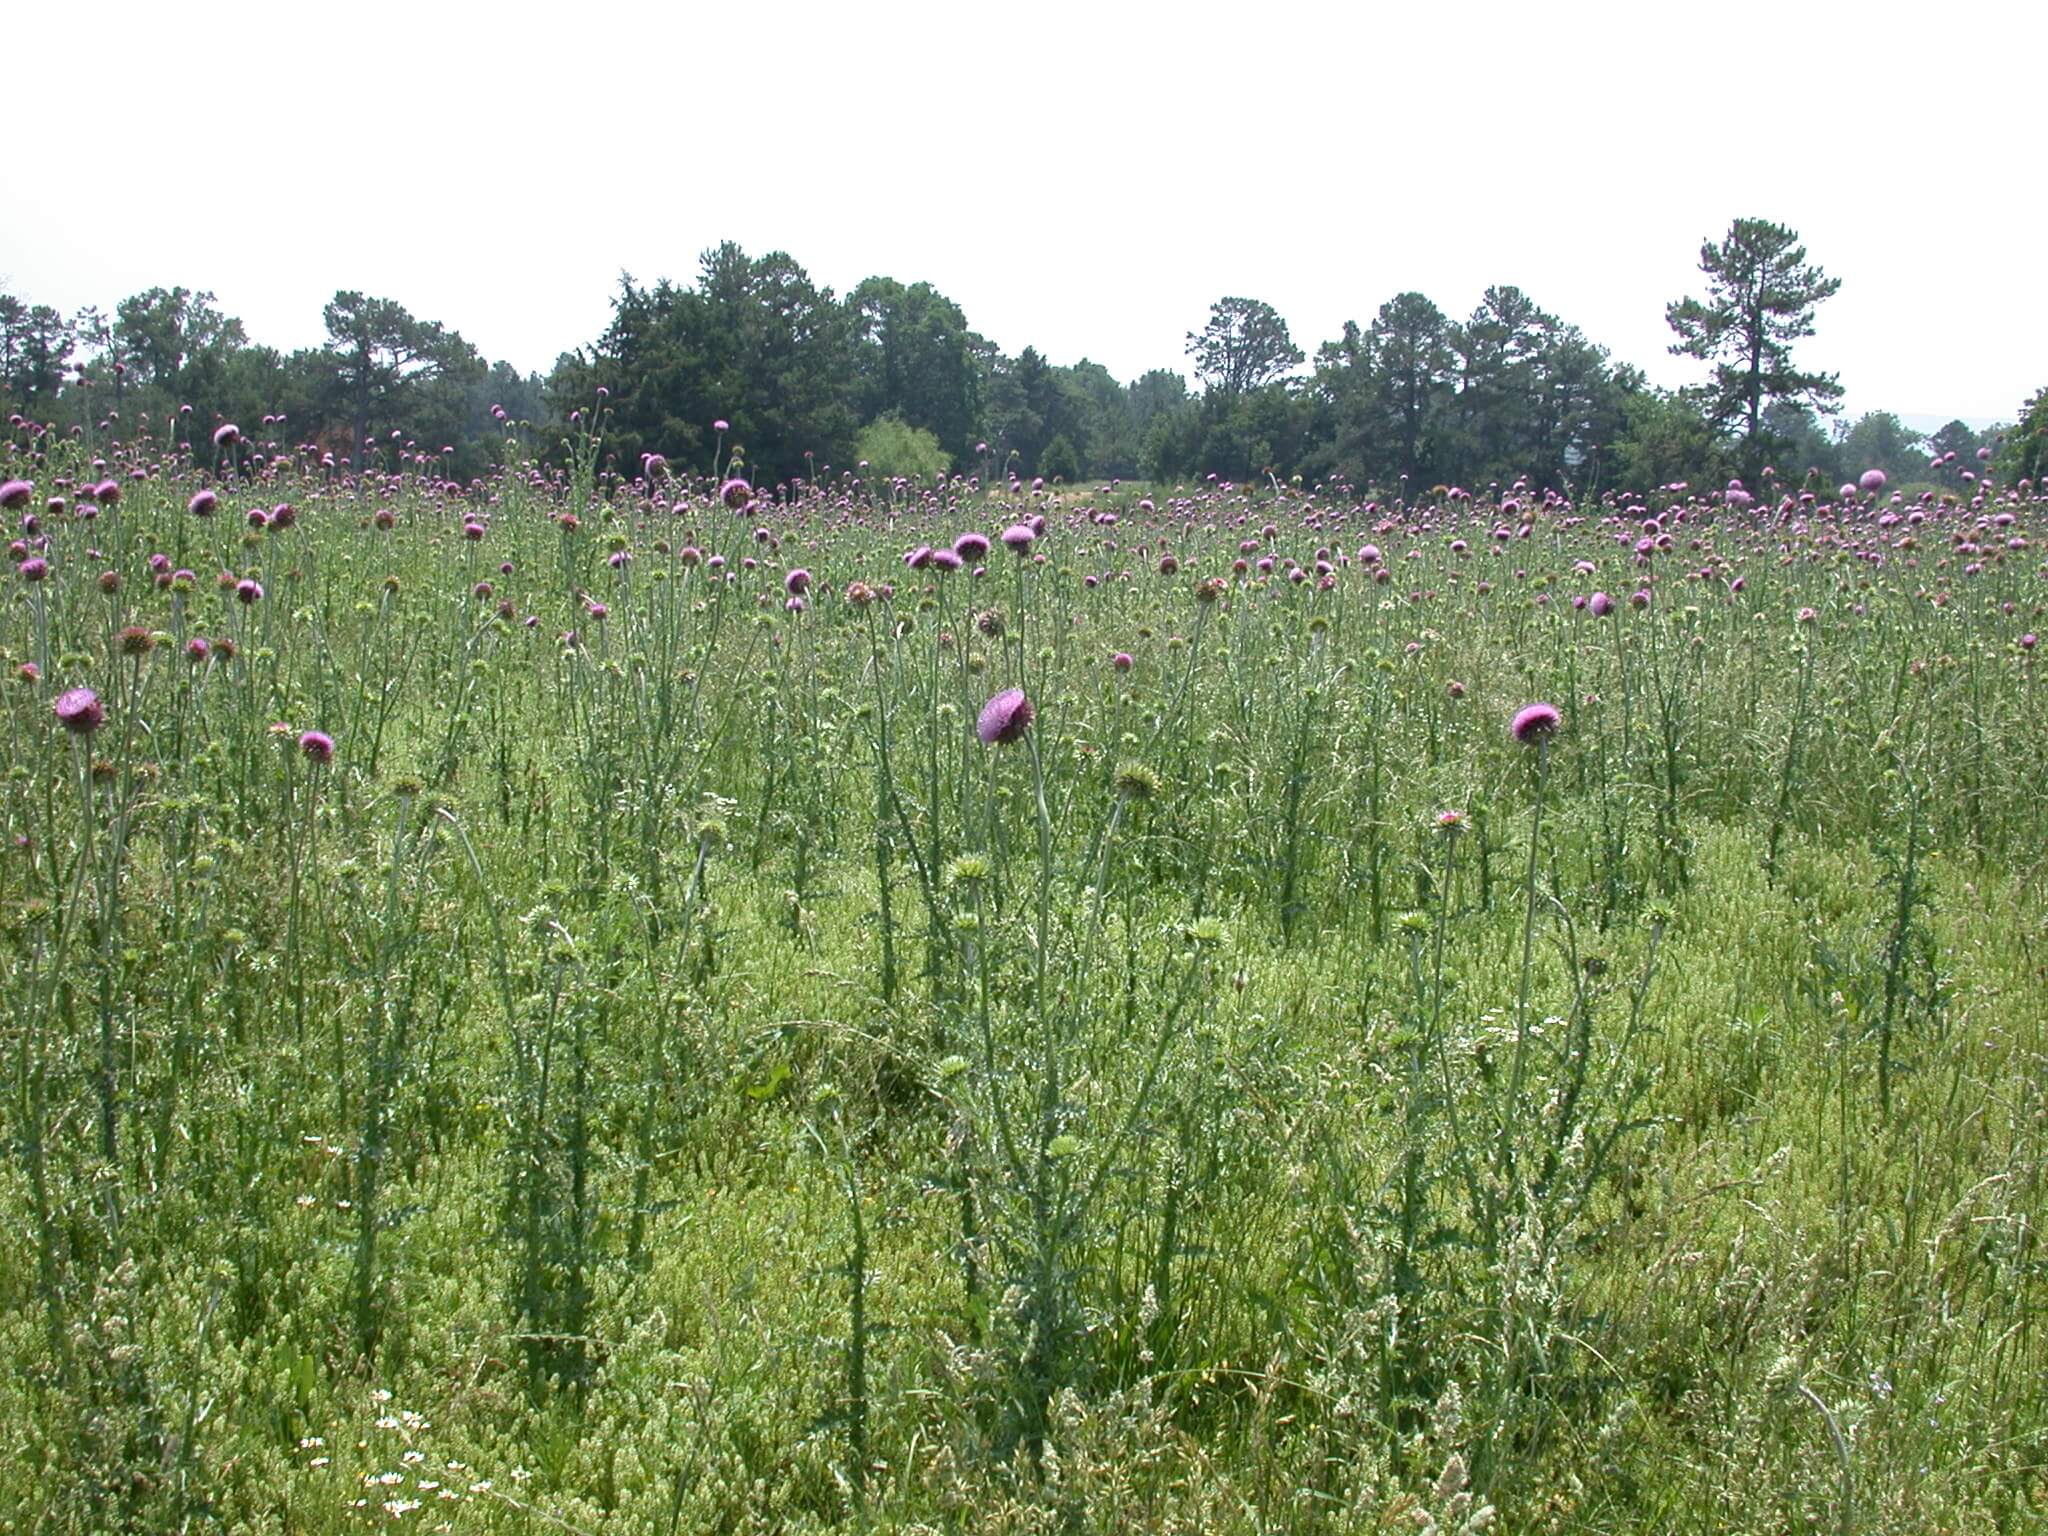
(568, 1003)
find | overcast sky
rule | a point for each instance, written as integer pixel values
(1082, 178)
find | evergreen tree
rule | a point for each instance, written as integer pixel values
(1244, 345)
(1761, 297)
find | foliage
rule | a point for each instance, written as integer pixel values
(2025, 454)
(1059, 461)
(384, 361)
(1879, 440)
(891, 448)
(1245, 345)
(1761, 297)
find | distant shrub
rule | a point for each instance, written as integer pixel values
(892, 447)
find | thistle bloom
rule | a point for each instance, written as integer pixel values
(202, 503)
(15, 493)
(1004, 718)
(249, 591)
(1601, 604)
(80, 712)
(317, 745)
(1018, 537)
(1872, 481)
(1535, 723)
(735, 493)
(797, 582)
(971, 546)
(226, 435)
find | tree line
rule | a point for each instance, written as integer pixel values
(892, 376)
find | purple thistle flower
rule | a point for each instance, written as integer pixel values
(797, 582)
(735, 493)
(15, 493)
(1018, 537)
(946, 560)
(80, 712)
(1601, 604)
(35, 568)
(202, 503)
(317, 745)
(1872, 480)
(1004, 718)
(226, 435)
(1534, 723)
(249, 591)
(971, 546)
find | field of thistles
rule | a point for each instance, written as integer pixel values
(571, 1003)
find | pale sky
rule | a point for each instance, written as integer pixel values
(1084, 178)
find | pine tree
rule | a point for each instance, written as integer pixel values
(1761, 295)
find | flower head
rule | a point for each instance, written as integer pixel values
(1535, 723)
(1004, 718)
(79, 711)
(317, 745)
